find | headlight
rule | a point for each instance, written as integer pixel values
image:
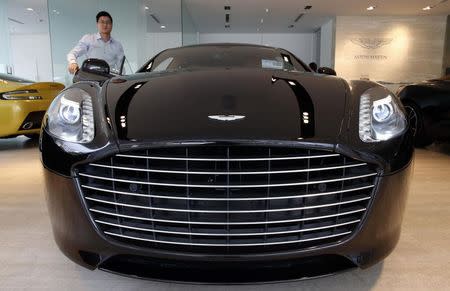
(71, 116)
(21, 95)
(380, 117)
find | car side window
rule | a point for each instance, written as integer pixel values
(287, 62)
(292, 62)
(162, 66)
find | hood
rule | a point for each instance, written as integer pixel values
(425, 89)
(441, 84)
(226, 104)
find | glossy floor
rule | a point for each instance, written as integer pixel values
(29, 258)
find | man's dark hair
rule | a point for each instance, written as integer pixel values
(313, 66)
(103, 13)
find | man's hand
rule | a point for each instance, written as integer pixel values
(73, 68)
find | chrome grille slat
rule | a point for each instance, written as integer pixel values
(234, 199)
(231, 244)
(225, 223)
(229, 199)
(228, 173)
(226, 211)
(230, 160)
(227, 186)
(227, 234)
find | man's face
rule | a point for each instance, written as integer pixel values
(104, 24)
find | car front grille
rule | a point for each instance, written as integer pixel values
(227, 199)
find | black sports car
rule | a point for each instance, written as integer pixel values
(428, 106)
(233, 162)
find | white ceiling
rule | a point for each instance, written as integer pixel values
(245, 15)
(22, 21)
(168, 12)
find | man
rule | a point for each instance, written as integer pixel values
(99, 45)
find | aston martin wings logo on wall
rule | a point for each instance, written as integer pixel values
(371, 42)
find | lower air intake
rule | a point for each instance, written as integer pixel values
(247, 272)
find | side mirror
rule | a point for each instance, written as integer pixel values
(326, 71)
(93, 70)
(95, 66)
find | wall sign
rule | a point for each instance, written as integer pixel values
(371, 43)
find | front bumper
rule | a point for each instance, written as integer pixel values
(80, 240)
(14, 113)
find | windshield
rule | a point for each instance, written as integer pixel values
(223, 56)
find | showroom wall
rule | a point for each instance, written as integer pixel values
(327, 44)
(300, 44)
(5, 57)
(390, 49)
(31, 56)
(157, 42)
(446, 63)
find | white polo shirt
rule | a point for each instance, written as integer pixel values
(93, 46)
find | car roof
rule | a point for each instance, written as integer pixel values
(227, 44)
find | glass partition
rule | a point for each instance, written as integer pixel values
(5, 60)
(70, 20)
(189, 31)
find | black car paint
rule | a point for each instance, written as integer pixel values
(272, 108)
(433, 99)
(79, 239)
(153, 119)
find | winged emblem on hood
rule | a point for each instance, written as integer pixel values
(226, 117)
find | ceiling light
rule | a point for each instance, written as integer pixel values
(426, 8)
(155, 18)
(15, 20)
(30, 9)
(262, 20)
(267, 10)
(299, 16)
(370, 8)
(163, 26)
(147, 8)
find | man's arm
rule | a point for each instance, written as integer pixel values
(119, 58)
(79, 50)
